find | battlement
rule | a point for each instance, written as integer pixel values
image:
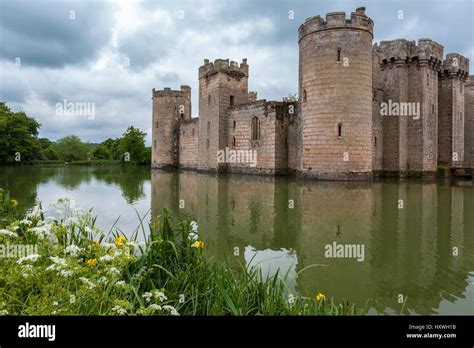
(401, 51)
(168, 92)
(337, 20)
(470, 80)
(230, 68)
(455, 65)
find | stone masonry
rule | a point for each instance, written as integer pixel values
(396, 108)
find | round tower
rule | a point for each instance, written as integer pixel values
(169, 108)
(335, 97)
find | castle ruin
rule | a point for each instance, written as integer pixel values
(397, 108)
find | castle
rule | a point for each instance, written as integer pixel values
(397, 108)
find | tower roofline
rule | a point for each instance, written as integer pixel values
(335, 21)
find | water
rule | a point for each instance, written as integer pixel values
(423, 251)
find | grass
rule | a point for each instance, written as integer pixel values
(78, 270)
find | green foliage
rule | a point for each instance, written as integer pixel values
(8, 209)
(71, 148)
(77, 270)
(18, 134)
(133, 143)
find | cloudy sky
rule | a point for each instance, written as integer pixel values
(112, 53)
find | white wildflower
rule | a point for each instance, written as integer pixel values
(109, 245)
(102, 280)
(106, 258)
(35, 213)
(119, 310)
(72, 250)
(142, 245)
(147, 296)
(90, 284)
(159, 295)
(120, 283)
(58, 261)
(193, 237)
(113, 271)
(132, 243)
(65, 274)
(72, 299)
(25, 222)
(155, 306)
(55, 303)
(8, 233)
(171, 309)
(40, 231)
(194, 226)
(3, 312)
(31, 257)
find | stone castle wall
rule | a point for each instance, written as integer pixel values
(469, 122)
(271, 143)
(221, 84)
(452, 114)
(336, 130)
(335, 89)
(407, 73)
(188, 143)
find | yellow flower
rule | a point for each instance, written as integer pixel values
(320, 296)
(91, 262)
(98, 273)
(14, 202)
(95, 242)
(119, 240)
(198, 244)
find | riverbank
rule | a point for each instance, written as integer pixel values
(78, 269)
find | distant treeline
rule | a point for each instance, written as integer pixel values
(19, 143)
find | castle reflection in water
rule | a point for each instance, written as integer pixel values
(408, 251)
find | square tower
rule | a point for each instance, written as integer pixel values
(222, 84)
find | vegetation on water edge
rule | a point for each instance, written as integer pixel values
(77, 269)
(19, 143)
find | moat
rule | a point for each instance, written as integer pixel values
(417, 236)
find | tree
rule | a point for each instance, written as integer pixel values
(132, 146)
(18, 136)
(71, 148)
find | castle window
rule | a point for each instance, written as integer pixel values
(432, 109)
(193, 131)
(208, 126)
(235, 124)
(209, 99)
(233, 141)
(231, 101)
(375, 142)
(154, 144)
(304, 95)
(183, 133)
(207, 143)
(427, 79)
(338, 54)
(339, 130)
(156, 124)
(255, 128)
